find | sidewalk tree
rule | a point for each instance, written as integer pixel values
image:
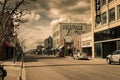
(10, 14)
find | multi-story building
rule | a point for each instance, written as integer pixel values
(48, 42)
(65, 32)
(105, 26)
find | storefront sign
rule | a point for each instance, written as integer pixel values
(86, 44)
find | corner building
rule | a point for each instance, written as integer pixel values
(105, 27)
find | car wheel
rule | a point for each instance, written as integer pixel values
(108, 61)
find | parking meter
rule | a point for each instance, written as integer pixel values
(3, 73)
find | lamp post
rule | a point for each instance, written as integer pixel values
(14, 44)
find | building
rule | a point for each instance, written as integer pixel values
(65, 32)
(86, 43)
(77, 44)
(105, 27)
(48, 44)
(83, 43)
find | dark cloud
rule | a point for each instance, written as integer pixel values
(61, 4)
(45, 20)
(46, 12)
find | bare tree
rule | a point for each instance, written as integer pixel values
(9, 14)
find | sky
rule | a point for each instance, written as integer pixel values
(44, 14)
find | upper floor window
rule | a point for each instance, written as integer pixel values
(110, 0)
(103, 2)
(112, 15)
(118, 10)
(103, 18)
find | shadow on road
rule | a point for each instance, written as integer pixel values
(37, 58)
(58, 65)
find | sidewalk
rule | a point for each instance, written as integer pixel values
(13, 70)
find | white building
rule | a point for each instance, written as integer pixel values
(66, 32)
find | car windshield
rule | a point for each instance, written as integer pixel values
(118, 52)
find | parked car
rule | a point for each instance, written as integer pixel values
(80, 55)
(114, 57)
(60, 54)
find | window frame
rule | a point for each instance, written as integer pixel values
(110, 12)
(102, 2)
(104, 14)
(118, 11)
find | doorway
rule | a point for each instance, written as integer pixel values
(108, 48)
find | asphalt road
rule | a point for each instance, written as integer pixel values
(51, 68)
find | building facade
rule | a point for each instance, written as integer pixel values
(66, 31)
(48, 42)
(63, 33)
(105, 27)
(77, 43)
(86, 43)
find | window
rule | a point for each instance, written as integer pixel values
(118, 10)
(112, 15)
(112, 33)
(110, 0)
(98, 50)
(103, 16)
(103, 2)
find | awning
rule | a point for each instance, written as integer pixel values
(52, 49)
(6, 44)
(60, 47)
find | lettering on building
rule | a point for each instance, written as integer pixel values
(98, 13)
(73, 29)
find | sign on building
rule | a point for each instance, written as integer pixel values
(73, 29)
(98, 13)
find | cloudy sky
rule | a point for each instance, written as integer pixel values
(44, 14)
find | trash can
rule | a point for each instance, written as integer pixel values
(3, 73)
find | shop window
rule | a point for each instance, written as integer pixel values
(112, 15)
(118, 10)
(104, 18)
(103, 2)
(98, 50)
(113, 33)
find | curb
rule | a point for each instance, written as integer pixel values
(22, 73)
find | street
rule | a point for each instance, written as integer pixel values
(51, 68)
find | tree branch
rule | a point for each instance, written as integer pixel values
(4, 5)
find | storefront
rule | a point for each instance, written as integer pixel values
(87, 47)
(107, 42)
(86, 43)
